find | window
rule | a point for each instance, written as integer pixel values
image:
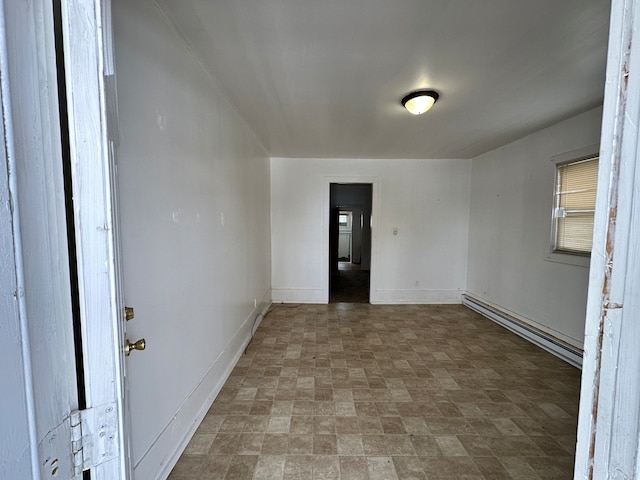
(574, 206)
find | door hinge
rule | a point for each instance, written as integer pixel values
(94, 436)
(82, 440)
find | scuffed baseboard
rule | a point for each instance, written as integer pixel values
(561, 349)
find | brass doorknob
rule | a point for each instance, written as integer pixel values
(139, 345)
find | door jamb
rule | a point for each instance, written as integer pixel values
(608, 421)
(88, 61)
(326, 214)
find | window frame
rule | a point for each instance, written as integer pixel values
(562, 256)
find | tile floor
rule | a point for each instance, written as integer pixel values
(357, 391)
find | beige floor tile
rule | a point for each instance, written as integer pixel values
(326, 467)
(233, 424)
(279, 425)
(347, 425)
(200, 443)
(250, 444)
(275, 444)
(381, 468)
(415, 426)
(270, 467)
(298, 467)
(256, 424)
(325, 444)
(324, 424)
(216, 466)
(450, 446)
(366, 392)
(519, 468)
(392, 425)
(241, 467)
(225, 444)
(345, 409)
(409, 468)
(189, 466)
(507, 426)
(300, 444)
(354, 468)
(349, 444)
(370, 425)
(399, 445)
(211, 424)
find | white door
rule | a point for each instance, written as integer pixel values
(42, 288)
(39, 388)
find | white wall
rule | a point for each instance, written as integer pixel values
(427, 200)
(194, 208)
(510, 230)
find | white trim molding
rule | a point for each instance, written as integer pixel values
(299, 295)
(415, 297)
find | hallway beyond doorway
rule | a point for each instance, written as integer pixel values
(350, 285)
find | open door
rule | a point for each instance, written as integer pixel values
(64, 361)
(39, 383)
(333, 244)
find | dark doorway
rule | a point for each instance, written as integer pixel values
(350, 242)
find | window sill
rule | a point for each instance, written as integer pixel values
(568, 259)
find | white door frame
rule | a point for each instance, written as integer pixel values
(89, 70)
(326, 215)
(608, 425)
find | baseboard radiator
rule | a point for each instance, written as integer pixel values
(557, 347)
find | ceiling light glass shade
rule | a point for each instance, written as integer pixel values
(420, 101)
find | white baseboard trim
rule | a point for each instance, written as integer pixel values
(298, 295)
(378, 297)
(569, 353)
(165, 451)
(416, 297)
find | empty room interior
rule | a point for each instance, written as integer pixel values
(330, 286)
(236, 118)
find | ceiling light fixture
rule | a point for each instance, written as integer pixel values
(420, 101)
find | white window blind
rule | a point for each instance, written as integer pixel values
(575, 204)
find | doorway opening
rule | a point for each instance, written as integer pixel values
(350, 242)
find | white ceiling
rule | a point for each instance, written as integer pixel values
(324, 78)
